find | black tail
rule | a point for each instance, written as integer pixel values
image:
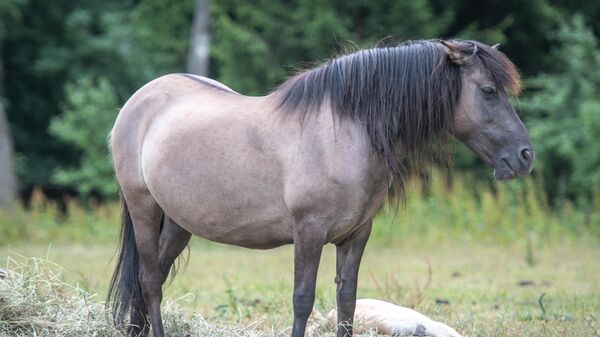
(125, 291)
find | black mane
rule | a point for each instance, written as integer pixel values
(405, 95)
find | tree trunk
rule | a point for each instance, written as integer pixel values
(8, 179)
(197, 59)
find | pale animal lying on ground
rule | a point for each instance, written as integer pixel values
(394, 320)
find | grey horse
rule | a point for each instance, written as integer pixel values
(309, 164)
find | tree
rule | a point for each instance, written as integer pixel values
(564, 113)
(197, 60)
(48, 45)
(8, 179)
(254, 46)
(90, 110)
(139, 51)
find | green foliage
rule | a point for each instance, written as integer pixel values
(520, 26)
(256, 45)
(44, 221)
(49, 46)
(160, 35)
(564, 113)
(8, 12)
(515, 211)
(90, 110)
(233, 41)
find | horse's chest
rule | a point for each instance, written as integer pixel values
(336, 206)
(351, 218)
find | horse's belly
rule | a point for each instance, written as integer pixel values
(258, 235)
(247, 219)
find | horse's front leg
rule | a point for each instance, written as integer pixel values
(308, 245)
(349, 253)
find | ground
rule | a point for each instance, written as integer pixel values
(480, 289)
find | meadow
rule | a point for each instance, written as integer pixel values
(489, 260)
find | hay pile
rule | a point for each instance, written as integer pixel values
(34, 301)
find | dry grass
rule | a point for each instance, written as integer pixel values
(34, 301)
(228, 291)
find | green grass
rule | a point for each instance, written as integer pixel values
(460, 206)
(456, 240)
(480, 282)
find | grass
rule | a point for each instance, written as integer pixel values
(36, 302)
(479, 289)
(458, 206)
(488, 260)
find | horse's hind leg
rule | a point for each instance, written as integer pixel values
(173, 240)
(146, 217)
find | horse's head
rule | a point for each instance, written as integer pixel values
(484, 118)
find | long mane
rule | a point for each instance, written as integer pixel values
(404, 95)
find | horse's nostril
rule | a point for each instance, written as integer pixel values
(527, 155)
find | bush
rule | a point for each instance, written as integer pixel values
(564, 115)
(89, 113)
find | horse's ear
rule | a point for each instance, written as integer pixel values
(459, 52)
(496, 46)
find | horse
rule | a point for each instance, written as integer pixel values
(308, 164)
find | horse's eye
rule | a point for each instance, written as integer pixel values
(488, 91)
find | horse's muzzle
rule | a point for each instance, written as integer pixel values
(515, 164)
